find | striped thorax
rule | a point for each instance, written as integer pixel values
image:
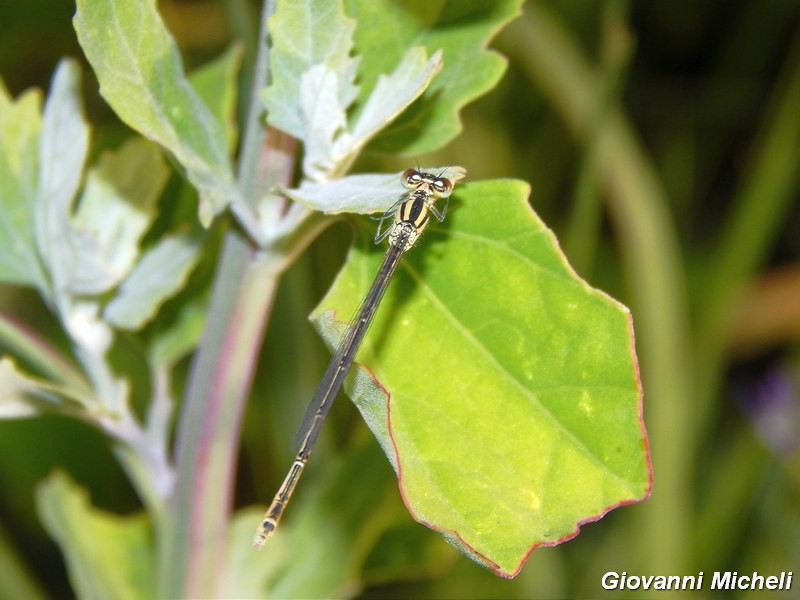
(411, 212)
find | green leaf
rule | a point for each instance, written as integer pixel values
(363, 194)
(62, 153)
(312, 77)
(20, 125)
(313, 85)
(141, 76)
(90, 251)
(393, 94)
(217, 84)
(40, 353)
(22, 395)
(461, 29)
(307, 34)
(161, 272)
(107, 556)
(488, 341)
(115, 210)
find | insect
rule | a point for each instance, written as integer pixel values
(410, 218)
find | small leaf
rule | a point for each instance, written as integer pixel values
(91, 251)
(508, 396)
(20, 125)
(324, 118)
(307, 33)
(24, 396)
(217, 84)
(312, 86)
(392, 95)
(462, 30)
(116, 208)
(363, 194)
(39, 352)
(142, 78)
(107, 556)
(161, 272)
(62, 153)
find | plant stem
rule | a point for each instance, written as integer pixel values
(208, 435)
(192, 542)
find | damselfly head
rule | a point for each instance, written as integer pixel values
(414, 179)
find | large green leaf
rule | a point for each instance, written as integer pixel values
(506, 390)
(107, 556)
(461, 29)
(20, 124)
(141, 76)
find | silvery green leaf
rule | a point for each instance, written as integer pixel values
(62, 152)
(462, 30)
(142, 78)
(325, 118)
(391, 95)
(19, 396)
(24, 396)
(20, 124)
(161, 272)
(361, 194)
(306, 33)
(116, 208)
(84, 269)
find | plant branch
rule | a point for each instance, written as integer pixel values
(193, 540)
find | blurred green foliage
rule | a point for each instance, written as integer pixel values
(662, 140)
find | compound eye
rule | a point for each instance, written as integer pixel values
(443, 186)
(411, 178)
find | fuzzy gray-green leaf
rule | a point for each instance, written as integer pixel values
(116, 208)
(141, 76)
(306, 33)
(160, 273)
(62, 153)
(20, 124)
(361, 194)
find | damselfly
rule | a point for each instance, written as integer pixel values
(410, 219)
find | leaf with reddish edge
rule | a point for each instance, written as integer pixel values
(503, 388)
